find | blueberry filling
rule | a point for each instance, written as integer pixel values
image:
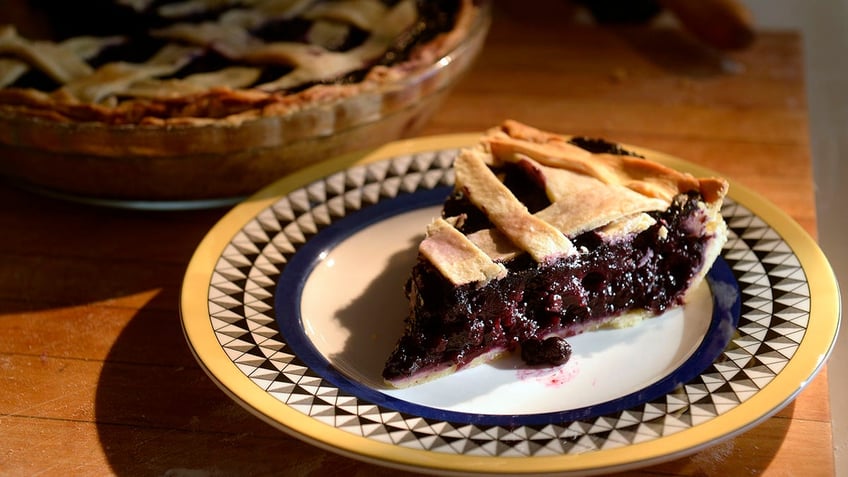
(600, 146)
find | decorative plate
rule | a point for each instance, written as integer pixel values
(294, 299)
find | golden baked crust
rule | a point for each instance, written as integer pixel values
(587, 191)
(646, 177)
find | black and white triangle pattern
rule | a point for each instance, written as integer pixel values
(773, 321)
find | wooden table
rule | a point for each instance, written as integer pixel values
(96, 375)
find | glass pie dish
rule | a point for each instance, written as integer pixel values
(200, 163)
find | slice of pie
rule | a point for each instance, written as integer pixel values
(547, 236)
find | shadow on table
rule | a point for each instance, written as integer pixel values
(158, 413)
(74, 254)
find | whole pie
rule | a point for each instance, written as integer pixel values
(202, 94)
(546, 236)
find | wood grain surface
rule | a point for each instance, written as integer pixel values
(95, 374)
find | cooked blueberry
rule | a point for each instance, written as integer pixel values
(553, 351)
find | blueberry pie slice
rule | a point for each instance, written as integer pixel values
(546, 236)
